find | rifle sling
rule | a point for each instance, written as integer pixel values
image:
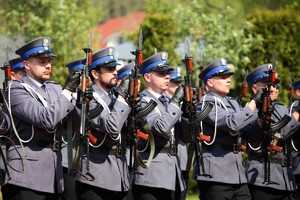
(279, 125)
(204, 112)
(150, 106)
(137, 156)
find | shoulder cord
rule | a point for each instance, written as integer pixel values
(292, 141)
(251, 147)
(101, 101)
(217, 102)
(23, 159)
(156, 110)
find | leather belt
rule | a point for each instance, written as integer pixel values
(118, 152)
(218, 147)
(172, 150)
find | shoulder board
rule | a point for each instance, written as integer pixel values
(277, 103)
(52, 82)
(231, 98)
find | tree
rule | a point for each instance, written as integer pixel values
(220, 36)
(281, 31)
(67, 22)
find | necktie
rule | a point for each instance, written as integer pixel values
(164, 100)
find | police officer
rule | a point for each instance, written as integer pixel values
(38, 107)
(104, 172)
(295, 141)
(163, 176)
(175, 82)
(17, 68)
(124, 71)
(220, 174)
(282, 184)
(69, 136)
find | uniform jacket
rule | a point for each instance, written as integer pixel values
(110, 172)
(164, 167)
(220, 162)
(295, 143)
(282, 175)
(36, 123)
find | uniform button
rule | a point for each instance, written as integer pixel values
(68, 110)
(174, 113)
(247, 114)
(122, 110)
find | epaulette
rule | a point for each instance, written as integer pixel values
(277, 103)
(232, 98)
(52, 82)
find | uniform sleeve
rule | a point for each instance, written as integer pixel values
(110, 122)
(161, 120)
(32, 111)
(228, 120)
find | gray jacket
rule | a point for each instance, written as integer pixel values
(221, 163)
(110, 172)
(282, 175)
(32, 119)
(164, 168)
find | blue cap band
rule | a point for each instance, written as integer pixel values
(213, 71)
(148, 68)
(78, 66)
(174, 75)
(34, 50)
(121, 75)
(17, 65)
(296, 85)
(101, 61)
(258, 76)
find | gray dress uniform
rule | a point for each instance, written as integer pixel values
(295, 141)
(107, 162)
(164, 170)
(222, 162)
(281, 172)
(164, 167)
(109, 169)
(295, 145)
(38, 124)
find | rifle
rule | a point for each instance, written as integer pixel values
(133, 98)
(7, 75)
(84, 131)
(194, 118)
(268, 127)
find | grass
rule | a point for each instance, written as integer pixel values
(192, 197)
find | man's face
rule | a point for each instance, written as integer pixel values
(273, 90)
(17, 74)
(157, 81)
(38, 68)
(106, 77)
(219, 84)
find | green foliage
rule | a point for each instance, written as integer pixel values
(220, 36)
(159, 34)
(281, 31)
(67, 22)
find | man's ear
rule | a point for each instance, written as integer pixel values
(147, 77)
(254, 88)
(209, 83)
(26, 64)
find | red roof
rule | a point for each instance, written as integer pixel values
(125, 24)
